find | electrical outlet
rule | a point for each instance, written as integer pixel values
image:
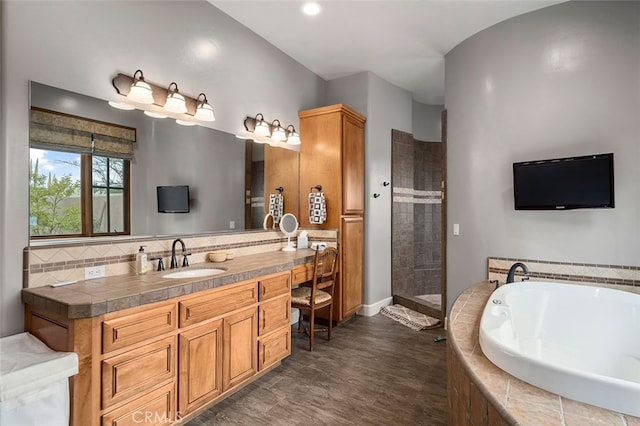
(232, 224)
(94, 272)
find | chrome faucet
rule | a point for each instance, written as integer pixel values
(512, 272)
(174, 261)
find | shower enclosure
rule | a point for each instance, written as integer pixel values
(417, 226)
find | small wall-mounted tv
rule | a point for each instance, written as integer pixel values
(564, 183)
(173, 199)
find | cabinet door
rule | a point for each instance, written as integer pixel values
(320, 161)
(281, 168)
(352, 166)
(240, 347)
(200, 365)
(351, 260)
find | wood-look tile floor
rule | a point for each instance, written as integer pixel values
(374, 371)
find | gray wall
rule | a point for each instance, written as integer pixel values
(386, 107)
(427, 122)
(80, 46)
(561, 81)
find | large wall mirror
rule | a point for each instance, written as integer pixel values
(229, 179)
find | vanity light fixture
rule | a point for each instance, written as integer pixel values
(154, 114)
(204, 111)
(293, 138)
(154, 100)
(261, 127)
(122, 105)
(278, 132)
(175, 101)
(260, 131)
(140, 90)
(186, 122)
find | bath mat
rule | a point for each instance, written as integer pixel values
(412, 319)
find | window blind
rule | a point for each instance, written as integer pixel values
(64, 132)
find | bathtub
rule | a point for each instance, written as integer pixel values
(577, 341)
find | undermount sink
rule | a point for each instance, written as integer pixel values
(194, 273)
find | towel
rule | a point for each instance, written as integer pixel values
(276, 207)
(317, 208)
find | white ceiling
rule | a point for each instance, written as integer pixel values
(401, 41)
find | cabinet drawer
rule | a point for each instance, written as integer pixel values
(133, 372)
(275, 286)
(130, 329)
(155, 408)
(274, 313)
(302, 273)
(217, 302)
(274, 347)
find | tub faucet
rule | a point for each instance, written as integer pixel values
(512, 272)
(174, 261)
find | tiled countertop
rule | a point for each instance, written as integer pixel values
(92, 298)
(523, 403)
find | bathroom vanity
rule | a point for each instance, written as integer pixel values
(153, 349)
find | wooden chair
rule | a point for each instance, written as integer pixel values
(318, 293)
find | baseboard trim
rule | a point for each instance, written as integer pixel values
(373, 309)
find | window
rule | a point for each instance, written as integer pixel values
(73, 194)
(108, 194)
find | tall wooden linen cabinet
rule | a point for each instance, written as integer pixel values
(332, 155)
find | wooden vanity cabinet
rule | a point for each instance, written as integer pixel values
(332, 155)
(274, 316)
(164, 362)
(138, 364)
(218, 341)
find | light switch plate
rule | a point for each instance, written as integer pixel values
(456, 229)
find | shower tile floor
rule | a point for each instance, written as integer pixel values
(432, 299)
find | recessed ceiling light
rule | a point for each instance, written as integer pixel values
(311, 8)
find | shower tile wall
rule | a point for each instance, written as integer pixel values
(403, 280)
(417, 221)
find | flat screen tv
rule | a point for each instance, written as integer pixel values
(564, 183)
(173, 199)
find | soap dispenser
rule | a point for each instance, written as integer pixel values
(141, 261)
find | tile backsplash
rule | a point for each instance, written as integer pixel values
(614, 276)
(49, 262)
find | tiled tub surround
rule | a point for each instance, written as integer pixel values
(626, 278)
(49, 262)
(417, 223)
(482, 394)
(92, 298)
